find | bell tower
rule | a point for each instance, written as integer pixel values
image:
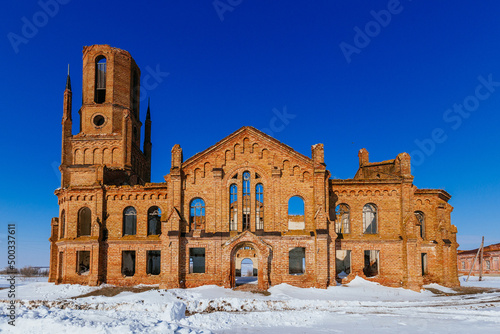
(107, 148)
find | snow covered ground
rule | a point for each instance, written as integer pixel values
(359, 307)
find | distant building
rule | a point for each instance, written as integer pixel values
(248, 201)
(490, 264)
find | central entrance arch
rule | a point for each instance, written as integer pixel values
(246, 246)
(246, 264)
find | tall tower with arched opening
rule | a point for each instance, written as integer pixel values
(106, 149)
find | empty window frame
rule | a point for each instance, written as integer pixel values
(100, 80)
(233, 210)
(370, 219)
(488, 264)
(342, 219)
(63, 225)
(129, 221)
(259, 207)
(463, 265)
(197, 214)
(84, 218)
(83, 261)
(154, 221)
(424, 263)
(297, 261)
(246, 201)
(153, 262)
(128, 263)
(296, 217)
(421, 222)
(343, 263)
(371, 267)
(197, 260)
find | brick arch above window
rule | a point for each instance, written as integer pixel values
(228, 177)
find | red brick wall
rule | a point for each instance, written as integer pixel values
(91, 177)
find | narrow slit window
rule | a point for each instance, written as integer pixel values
(246, 201)
(424, 263)
(63, 224)
(421, 223)
(100, 80)
(259, 207)
(233, 202)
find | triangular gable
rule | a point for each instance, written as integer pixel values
(247, 236)
(272, 142)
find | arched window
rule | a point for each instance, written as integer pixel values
(84, 218)
(259, 207)
(296, 217)
(421, 222)
(63, 225)
(246, 201)
(342, 219)
(154, 222)
(129, 221)
(197, 214)
(100, 80)
(370, 219)
(233, 202)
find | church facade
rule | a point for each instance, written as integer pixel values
(247, 199)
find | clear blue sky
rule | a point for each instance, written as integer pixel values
(395, 91)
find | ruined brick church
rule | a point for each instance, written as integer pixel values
(246, 199)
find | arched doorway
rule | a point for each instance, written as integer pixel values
(247, 273)
(247, 268)
(246, 264)
(234, 252)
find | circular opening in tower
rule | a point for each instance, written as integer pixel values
(98, 120)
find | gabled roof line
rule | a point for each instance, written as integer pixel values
(234, 134)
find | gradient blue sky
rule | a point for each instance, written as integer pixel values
(264, 56)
